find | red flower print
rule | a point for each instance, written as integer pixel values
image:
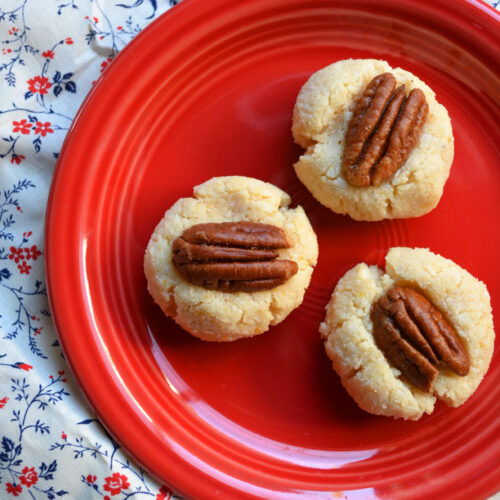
(22, 126)
(16, 254)
(3, 402)
(165, 494)
(106, 497)
(39, 84)
(64, 436)
(32, 252)
(48, 54)
(43, 128)
(68, 41)
(95, 19)
(24, 366)
(91, 479)
(17, 159)
(29, 477)
(13, 489)
(119, 27)
(24, 268)
(106, 63)
(38, 330)
(116, 483)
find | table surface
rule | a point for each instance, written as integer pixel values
(52, 52)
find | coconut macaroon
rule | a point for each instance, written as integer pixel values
(323, 124)
(199, 295)
(362, 361)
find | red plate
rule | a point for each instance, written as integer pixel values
(208, 90)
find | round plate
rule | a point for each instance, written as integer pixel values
(208, 90)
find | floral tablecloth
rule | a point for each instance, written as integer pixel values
(51, 53)
(51, 444)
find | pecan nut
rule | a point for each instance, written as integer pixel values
(384, 128)
(233, 256)
(415, 337)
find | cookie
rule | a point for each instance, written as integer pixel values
(323, 124)
(202, 296)
(366, 372)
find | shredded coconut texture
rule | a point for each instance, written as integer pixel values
(224, 316)
(364, 371)
(320, 121)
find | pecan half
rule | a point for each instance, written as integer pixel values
(384, 128)
(415, 337)
(233, 256)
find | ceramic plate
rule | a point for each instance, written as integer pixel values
(208, 90)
